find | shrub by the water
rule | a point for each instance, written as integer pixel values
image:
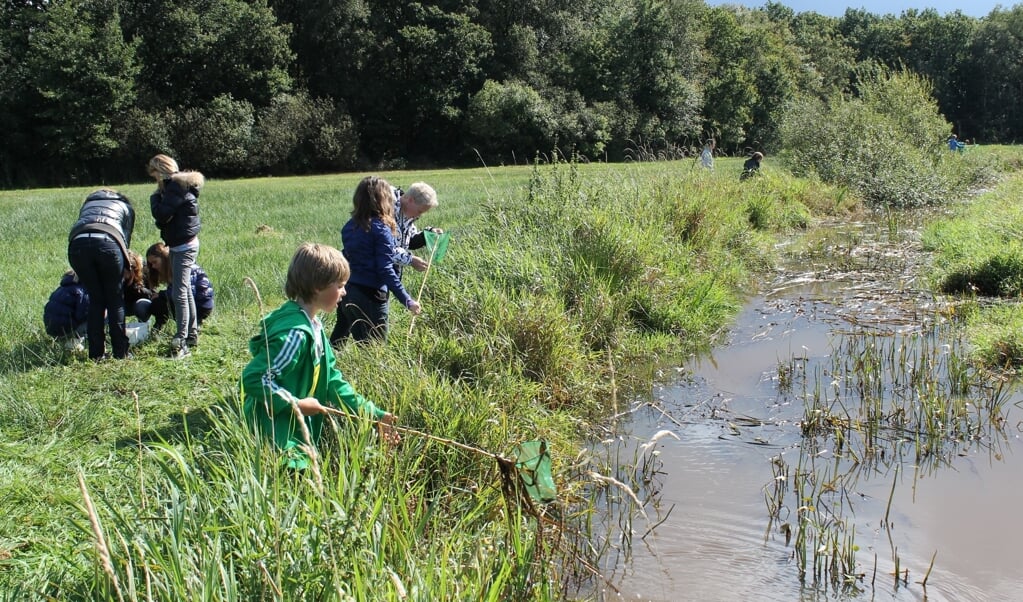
(886, 142)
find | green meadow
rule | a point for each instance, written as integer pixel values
(136, 479)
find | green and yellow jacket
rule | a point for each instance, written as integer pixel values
(291, 360)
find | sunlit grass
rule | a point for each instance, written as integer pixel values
(555, 276)
(980, 257)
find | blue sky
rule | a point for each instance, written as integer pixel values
(973, 8)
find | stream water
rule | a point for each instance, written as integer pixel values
(718, 447)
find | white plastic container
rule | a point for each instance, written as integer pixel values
(137, 332)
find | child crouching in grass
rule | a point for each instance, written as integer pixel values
(293, 369)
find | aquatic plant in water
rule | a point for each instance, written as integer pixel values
(887, 400)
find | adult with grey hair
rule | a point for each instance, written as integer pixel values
(408, 207)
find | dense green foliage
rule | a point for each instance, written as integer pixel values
(556, 279)
(90, 88)
(880, 142)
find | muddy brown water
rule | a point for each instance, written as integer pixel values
(726, 423)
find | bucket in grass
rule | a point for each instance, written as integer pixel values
(137, 332)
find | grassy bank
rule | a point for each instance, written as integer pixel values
(556, 280)
(979, 256)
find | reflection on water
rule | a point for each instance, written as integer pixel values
(910, 457)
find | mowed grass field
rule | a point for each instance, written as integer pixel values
(555, 276)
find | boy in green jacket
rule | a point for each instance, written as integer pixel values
(292, 370)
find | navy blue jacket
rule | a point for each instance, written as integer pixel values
(176, 211)
(202, 288)
(67, 307)
(370, 256)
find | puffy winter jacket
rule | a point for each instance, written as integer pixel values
(67, 307)
(109, 212)
(176, 208)
(202, 288)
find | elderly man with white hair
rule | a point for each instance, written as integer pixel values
(408, 207)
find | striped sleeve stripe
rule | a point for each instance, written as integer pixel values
(292, 343)
(288, 351)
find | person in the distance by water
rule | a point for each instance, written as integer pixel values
(752, 166)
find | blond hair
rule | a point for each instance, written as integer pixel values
(162, 167)
(313, 268)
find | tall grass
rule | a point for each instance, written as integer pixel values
(555, 275)
(887, 400)
(979, 257)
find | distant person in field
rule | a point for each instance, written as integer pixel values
(293, 374)
(369, 245)
(175, 208)
(98, 252)
(707, 155)
(752, 166)
(66, 311)
(158, 272)
(954, 144)
(409, 206)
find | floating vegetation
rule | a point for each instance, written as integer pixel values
(887, 388)
(896, 391)
(877, 392)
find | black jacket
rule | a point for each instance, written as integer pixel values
(108, 212)
(750, 168)
(176, 210)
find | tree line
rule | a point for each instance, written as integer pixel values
(90, 88)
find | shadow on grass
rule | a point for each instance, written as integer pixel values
(195, 424)
(36, 353)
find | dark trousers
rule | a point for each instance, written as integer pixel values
(99, 263)
(360, 314)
